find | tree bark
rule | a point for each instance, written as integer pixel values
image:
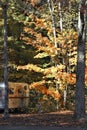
(80, 74)
(60, 16)
(5, 7)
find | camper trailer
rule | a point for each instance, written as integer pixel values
(18, 96)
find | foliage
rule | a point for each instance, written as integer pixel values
(31, 48)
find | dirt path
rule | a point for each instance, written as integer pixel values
(59, 119)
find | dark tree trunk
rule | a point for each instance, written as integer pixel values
(5, 6)
(80, 79)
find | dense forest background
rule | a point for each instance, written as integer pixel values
(42, 51)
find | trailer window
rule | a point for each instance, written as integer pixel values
(19, 91)
(11, 91)
(25, 87)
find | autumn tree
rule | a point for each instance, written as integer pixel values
(46, 47)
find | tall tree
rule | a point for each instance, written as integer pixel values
(51, 9)
(80, 79)
(4, 5)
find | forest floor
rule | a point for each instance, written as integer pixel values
(60, 119)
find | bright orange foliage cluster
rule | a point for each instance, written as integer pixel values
(40, 42)
(40, 87)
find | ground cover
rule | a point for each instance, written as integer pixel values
(60, 118)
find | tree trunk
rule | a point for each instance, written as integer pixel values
(80, 74)
(51, 9)
(5, 6)
(60, 16)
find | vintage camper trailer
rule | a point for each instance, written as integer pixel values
(18, 95)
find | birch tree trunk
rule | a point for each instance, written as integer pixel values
(51, 9)
(60, 16)
(80, 79)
